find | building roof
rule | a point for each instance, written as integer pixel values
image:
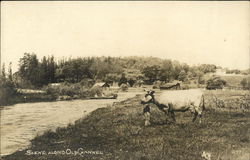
(101, 84)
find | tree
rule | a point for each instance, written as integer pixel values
(151, 72)
(112, 77)
(10, 72)
(207, 68)
(164, 76)
(67, 72)
(29, 69)
(200, 78)
(51, 69)
(131, 82)
(176, 69)
(123, 80)
(245, 83)
(185, 67)
(182, 76)
(7, 89)
(44, 71)
(167, 71)
(98, 69)
(3, 71)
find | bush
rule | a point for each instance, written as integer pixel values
(245, 83)
(215, 83)
(70, 90)
(87, 82)
(53, 91)
(84, 92)
(7, 91)
(67, 89)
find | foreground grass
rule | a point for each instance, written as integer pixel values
(117, 132)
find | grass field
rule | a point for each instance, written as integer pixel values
(231, 80)
(234, 80)
(118, 132)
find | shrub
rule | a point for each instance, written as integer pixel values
(7, 91)
(53, 91)
(245, 83)
(69, 90)
(215, 83)
(63, 89)
(87, 82)
(76, 91)
(84, 92)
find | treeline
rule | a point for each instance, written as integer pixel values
(47, 70)
(237, 71)
(149, 69)
(172, 70)
(35, 72)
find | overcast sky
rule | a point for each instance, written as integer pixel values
(192, 32)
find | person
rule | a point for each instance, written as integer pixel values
(146, 113)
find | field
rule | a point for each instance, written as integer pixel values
(118, 132)
(232, 80)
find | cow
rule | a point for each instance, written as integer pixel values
(175, 101)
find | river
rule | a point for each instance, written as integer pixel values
(22, 122)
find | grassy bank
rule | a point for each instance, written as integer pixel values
(117, 132)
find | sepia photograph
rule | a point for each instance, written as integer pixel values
(125, 80)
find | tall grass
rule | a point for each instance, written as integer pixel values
(228, 100)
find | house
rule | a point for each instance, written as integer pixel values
(173, 85)
(101, 84)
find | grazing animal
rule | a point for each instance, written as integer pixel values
(177, 101)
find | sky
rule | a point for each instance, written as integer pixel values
(191, 32)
